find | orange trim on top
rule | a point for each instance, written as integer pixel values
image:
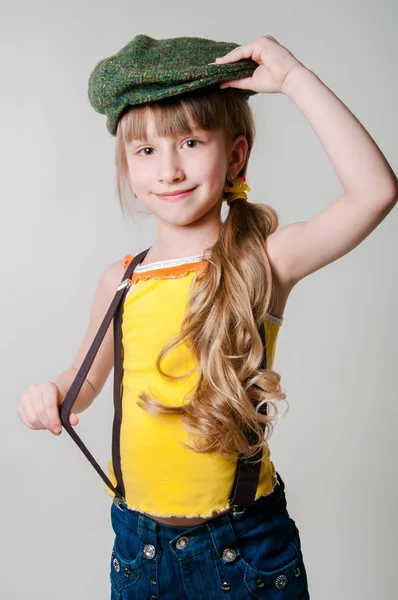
(165, 272)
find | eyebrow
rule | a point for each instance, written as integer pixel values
(194, 131)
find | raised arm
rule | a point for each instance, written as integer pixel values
(370, 186)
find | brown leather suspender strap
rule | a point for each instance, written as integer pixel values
(247, 474)
(70, 398)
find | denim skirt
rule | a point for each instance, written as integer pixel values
(255, 554)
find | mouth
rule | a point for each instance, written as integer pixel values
(175, 196)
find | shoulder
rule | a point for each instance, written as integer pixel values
(113, 274)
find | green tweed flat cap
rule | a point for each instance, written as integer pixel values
(146, 69)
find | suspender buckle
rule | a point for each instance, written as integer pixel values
(117, 501)
(125, 283)
(237, 509)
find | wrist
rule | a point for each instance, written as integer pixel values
(296, 75)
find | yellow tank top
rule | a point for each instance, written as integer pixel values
(161, 477)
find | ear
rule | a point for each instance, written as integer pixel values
(237, 156)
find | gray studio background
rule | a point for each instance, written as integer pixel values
(61, 226)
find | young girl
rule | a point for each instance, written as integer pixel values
(201, 313)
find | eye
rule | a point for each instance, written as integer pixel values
(192, 140)
(145, 154)
(195, 141)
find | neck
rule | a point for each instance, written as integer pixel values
(178, 241)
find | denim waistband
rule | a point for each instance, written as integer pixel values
(223, 529)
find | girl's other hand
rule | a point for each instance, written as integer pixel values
(275, 62)
(39, 408)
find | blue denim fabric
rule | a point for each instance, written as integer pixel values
(256, 554)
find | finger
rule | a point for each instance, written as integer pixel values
(24, 419)
(242, 84)
(52, 411)
(236, 54)
(73, 419)
(32, 416)
(40, 410)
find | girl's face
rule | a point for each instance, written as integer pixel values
(196, 162)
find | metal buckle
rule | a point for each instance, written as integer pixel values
(125, 282)
(117, 501)
(235, 510)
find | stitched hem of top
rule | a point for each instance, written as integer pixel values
(142, 511)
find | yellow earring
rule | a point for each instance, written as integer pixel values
(237, 187)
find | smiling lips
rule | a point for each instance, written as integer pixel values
(176, 195)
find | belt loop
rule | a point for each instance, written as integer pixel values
(223, 534)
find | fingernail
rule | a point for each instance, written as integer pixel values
(57, 429)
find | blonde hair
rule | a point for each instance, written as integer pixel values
(235, 291)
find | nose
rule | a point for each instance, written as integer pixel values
(170, 169)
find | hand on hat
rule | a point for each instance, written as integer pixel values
(275, 63)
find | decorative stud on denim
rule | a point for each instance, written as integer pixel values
(116, 565)
(281, 582)
(149, 551)
(229, 555)
(182, 542)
